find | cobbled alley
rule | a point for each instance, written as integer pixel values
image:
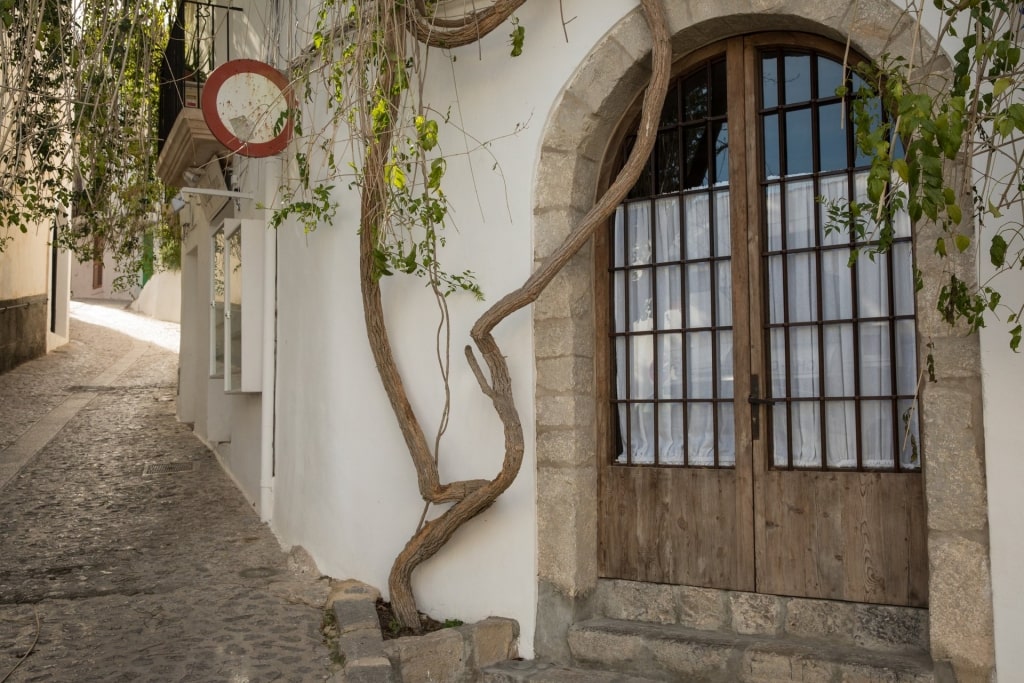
(126, 553)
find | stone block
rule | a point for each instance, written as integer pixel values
(360, 644)
(954, 471)
(432, 658)
(702, 608)
(606, 650)
(369, 670)
(565, 411)
(634, 601)
(301, 562)
(755, 614)
(565, 179)
(350, 589)
(820, 620)
(571, 292)
(574, 126)
(566, 375)
(689, 658)
(955, 356)
(567, 528)
(492, 640)
(552, 222)
(562, 337)
(355, 615)
(565, 447)
(960, 602)
(609, 78)
(881, 627)
(768, 666)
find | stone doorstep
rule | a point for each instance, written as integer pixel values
(881, 628)
(542, 672)
(669, 651)
(447, 656)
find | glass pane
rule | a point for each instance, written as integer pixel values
(876, 434)
(695, 153)
(217, 292)
(721, 152)
(839, 361)
(621, 368)
(875, 365)
(642, 362)
(667, 161)
(619, 301)
(697, 225)
(806, 434)
(798, 142)
(670, 284)
(780, 435)
(836, 301)
(670, 374)
(723, 227)
(698, 365)
(773, 207)
(726, 435)
(909, 435)
(670, 434)
(725, 378)
(797, 86)
(903, 278)
(831, 138)
(830, 76)
(698, 295)
(695, 96)
(701, 434)
(906, 358)
(666, 229)
(801, 209)
(640, 303)
(832, 189)
(874, 109)
(719, 90)
(644, 186)
(841, 430)
(872, 286)
(803, 287)
(777, 354)
(234, 316)
(641, 433)
(769, 82)
(772, 167)
(724, 293)
(776, 306)
(670, 112)
(639, 233)
(618, 239)
(803, 354)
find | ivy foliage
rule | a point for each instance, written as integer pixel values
(977, 120)
(78, 127)
(349, 52)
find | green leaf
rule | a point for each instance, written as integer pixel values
(963, 242)
(955, 215)
(940, 247)
(997, 252)
(1000, 86)
(1015, 335)
(900, 166)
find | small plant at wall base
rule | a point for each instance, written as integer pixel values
(978, 117)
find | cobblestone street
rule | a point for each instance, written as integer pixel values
(126, 553)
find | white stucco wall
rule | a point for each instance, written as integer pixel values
(81, 281)
(25, 264)
(345, 487)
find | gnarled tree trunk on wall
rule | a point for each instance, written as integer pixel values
(471, 497)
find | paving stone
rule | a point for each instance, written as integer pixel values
(111, 574)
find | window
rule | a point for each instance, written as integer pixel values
(720, 260)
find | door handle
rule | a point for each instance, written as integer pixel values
(756, 400)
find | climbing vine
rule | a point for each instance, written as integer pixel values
(78, 106)
(977, 121)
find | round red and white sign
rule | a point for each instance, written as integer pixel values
(247, 104)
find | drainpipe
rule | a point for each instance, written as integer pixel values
(271, 181)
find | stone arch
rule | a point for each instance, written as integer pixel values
(575, 141)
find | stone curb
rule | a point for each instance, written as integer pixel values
(452, 655)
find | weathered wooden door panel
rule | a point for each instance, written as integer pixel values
(670, 525)
(857, 536)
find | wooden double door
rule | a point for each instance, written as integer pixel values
(761, 408)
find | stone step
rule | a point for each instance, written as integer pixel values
(527, 671)
(674, 652)
(881, 628)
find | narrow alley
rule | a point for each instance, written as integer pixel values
(126, 553)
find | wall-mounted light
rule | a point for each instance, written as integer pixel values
(178, 203)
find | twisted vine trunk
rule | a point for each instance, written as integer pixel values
(472, 497)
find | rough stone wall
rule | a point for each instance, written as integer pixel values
(23, 324)
(582, 122)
